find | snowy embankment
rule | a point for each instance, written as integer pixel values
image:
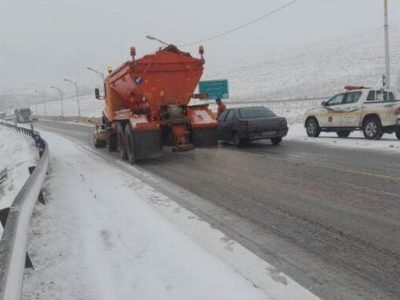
(17, 152)
(105, 234)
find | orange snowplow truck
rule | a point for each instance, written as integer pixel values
(146, 106)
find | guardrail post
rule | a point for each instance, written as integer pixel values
(40, 197)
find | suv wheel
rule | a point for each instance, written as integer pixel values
(312, 128)
(276, 140)
(343, 133)
(372, 129)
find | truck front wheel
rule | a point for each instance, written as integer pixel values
(130, 144)
(372, 128)
(121, 141)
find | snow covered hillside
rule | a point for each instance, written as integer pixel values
(317, 70)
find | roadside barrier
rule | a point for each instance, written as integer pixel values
(15, 220)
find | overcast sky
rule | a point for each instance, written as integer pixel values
(43, 41)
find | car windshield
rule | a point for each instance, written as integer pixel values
(256, 112)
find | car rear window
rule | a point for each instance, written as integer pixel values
(256, 112)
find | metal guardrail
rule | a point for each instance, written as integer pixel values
(13, 243)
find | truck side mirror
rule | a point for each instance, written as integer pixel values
(323, 103)
(97, 93)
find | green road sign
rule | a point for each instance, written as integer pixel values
(214, 88)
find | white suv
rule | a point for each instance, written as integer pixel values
(374, 111)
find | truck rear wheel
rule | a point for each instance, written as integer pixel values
(121, 141)
(130, 144)
(112, 144)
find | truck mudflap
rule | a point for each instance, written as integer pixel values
(203, 126)
(147, 143)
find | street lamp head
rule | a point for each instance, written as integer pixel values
(150, 37)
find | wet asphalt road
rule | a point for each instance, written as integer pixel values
(328, 217)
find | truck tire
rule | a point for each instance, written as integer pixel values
(130, 144)
(398, 134)
(372, 128)
(343, 133)
(121, 140)
(276, 140)
(312, 128)
(112, 144)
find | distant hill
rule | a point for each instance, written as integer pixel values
(317, 70)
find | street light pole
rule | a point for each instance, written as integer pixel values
(150, 37)
(101, 74)
(77, 96)
(387, 54)
(61, 100)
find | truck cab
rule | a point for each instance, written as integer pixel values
(374, 111)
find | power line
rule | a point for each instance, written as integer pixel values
(213, 37)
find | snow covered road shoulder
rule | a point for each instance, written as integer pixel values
(17, 153)
(356, 140)
(107, 235)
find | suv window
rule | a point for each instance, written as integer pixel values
(336, 100)
(380, 96)
(352, 97)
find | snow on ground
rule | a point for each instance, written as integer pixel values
(389, 142)
(105, 234)
(17, 152)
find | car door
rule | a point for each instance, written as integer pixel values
(350, 110)
(229, 124)
(333, 109)
(221, 123)
(226, 124)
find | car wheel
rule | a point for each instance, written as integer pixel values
(343, 133)
(121, 141)
(372, 129)
(276, 140)
(398, 134)
(312, 128)
(237, 141)
(130, 144)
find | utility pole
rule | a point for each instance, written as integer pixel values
(387, 54)
(61, 100)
